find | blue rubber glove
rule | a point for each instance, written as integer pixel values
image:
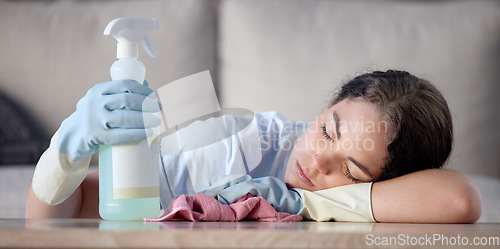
(345, 203)
(110, 113)
(114, 112)
(228, 189)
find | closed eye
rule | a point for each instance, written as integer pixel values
(350, 176)
(324, 133)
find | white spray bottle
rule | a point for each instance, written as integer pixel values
(128, 173)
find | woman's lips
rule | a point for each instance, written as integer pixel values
(302, 175)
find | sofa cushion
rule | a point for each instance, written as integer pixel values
(14, 183)
(291, 55)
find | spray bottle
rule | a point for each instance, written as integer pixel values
(128, 173)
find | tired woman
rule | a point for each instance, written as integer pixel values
(374, 154)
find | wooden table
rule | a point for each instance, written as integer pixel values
(79, 233)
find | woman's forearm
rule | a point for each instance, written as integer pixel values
(429, 196)
(83, 203)
(70, 208)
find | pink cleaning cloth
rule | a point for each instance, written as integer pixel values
(203, 207)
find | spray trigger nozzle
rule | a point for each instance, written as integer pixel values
(146, 43)
(129, 32)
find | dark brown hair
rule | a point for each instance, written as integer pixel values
(418, 116)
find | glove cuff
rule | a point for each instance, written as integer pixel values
(56, 176)
(345, 203)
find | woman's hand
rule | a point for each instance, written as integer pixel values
(114, 112)
(110, 113)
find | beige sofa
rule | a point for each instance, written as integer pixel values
(285, 55)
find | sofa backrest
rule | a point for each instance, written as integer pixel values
(52, 52)
(291, 55)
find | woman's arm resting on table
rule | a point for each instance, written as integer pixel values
(428, 196)
(83, 203)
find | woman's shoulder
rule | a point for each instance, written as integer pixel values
(274, 122)
(277, 118)
(270, 117)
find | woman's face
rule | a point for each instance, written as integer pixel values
(347, 144)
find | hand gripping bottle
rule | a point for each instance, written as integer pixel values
(128, 173)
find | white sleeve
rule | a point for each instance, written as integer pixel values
(345, 203)
(56, 176)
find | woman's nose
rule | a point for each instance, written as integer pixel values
(325, 162)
